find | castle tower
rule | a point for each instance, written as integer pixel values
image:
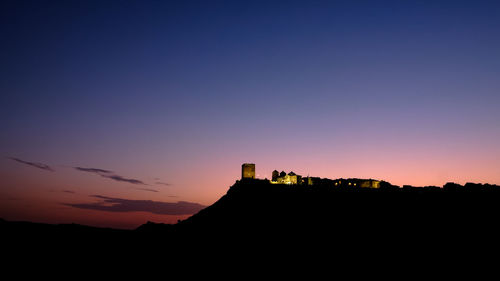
(248, 171)
(275, 175)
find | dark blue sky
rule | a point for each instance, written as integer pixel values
(406, 91)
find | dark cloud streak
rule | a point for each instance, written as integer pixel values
(110, 204)
(162, 183)
(93, 170)
(120, 178)
(110, 175)
(148, 189)
(33, 164)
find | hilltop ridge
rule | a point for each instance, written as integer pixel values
(259, 208)
(257, 216)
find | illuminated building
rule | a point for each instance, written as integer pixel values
(248, 171)
(353, 183)
(275, 176)
(284, 178)
(370, 183)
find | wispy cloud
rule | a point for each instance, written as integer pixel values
(120, 178)
(111, 204)
(63, 191)
(148, 189)
(110, 175)
(33, 164)
(93, 170)
(162, 183)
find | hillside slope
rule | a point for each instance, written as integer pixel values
(261, 212)
(293, 222)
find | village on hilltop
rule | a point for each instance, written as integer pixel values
(248, 173)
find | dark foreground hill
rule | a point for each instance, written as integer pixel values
(256, 210)
(280, 220)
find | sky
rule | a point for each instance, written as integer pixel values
(114, 113)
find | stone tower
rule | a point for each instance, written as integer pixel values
(275, 175)
(248, 171)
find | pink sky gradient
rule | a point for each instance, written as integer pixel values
(184, 92)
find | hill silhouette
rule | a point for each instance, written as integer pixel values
(258, 209)
(348, 225)
(257, 216)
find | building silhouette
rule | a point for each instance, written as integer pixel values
(284, 178)
(275, 176)
(248, 171)
(291, 178)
